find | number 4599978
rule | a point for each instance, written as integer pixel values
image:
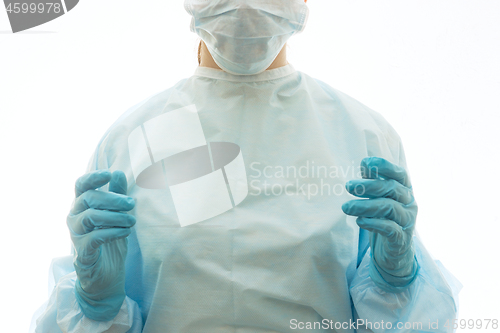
(472, 324)
(25, 7)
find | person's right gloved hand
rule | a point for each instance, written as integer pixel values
(98, 227)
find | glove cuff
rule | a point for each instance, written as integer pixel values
(97, 307)
(392, 283)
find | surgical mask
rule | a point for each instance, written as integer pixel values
(245, 36)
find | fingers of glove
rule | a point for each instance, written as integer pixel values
(91, 219)
(102, 200)
(92, 181)
(381, 208)
(118, 183)
(100, 236)
(376, 167)
(377, 188)
(383, 227)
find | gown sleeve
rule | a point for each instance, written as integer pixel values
(428, 305)
(62, 313)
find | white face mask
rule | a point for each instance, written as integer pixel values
(245, 36)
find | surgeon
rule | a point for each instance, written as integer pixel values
(249, 197)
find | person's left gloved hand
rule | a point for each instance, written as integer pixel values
(389, 213)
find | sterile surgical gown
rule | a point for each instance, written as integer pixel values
(239, 182)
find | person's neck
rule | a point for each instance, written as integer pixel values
(208, 61)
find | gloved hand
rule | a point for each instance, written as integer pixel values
(98, 229)
(389, 213)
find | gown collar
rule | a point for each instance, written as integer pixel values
(267, 75)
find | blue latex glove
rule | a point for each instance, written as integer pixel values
(389, 213)
(98, 229)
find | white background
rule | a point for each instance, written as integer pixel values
(430, 67)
